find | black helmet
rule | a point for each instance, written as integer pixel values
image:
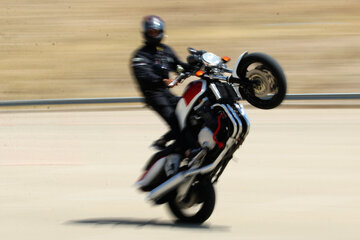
(153, 29)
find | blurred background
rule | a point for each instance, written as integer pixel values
(82, 48)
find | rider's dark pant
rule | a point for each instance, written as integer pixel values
(168, 114)
(164, 103)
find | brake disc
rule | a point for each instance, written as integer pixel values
(264, 83)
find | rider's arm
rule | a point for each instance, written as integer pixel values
(144, 72)
(177, 61)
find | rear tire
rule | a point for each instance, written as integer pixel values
(203, 196)
(268, 88)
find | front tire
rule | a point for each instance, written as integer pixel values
(201, 196)
(267, 88)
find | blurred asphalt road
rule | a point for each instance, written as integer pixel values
(70, 175)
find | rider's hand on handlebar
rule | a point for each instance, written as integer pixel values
(168, 81)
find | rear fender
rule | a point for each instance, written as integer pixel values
(151, 173)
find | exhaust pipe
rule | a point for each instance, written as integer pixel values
(166, 187)
(176, 181)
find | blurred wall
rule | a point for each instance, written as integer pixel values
(82, 48)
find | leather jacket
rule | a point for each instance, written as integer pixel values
(151, 64)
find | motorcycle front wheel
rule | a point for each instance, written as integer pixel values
(198, 205)
(267, 81)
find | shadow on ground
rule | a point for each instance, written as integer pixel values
(145, 222)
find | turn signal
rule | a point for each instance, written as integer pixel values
(199, 73)
(226, 59)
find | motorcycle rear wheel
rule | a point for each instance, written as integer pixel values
(200, 201)
(267, 88)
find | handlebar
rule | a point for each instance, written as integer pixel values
(224, 78)
(182, 76)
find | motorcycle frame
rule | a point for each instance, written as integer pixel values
(184, 179)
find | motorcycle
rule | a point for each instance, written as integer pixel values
(214, 125)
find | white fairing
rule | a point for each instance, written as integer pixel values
(234, 74)
(183, 107)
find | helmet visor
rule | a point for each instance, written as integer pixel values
(153, 32)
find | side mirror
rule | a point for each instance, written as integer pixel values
(192, 50)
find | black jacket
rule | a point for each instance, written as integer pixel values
(150, 65)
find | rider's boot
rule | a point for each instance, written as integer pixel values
(159, 144)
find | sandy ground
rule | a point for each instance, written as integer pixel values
(70, 174)
(82, 48)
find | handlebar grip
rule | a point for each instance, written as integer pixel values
(178, 79)
(173, 83)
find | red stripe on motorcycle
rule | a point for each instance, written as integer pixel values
(192, 90)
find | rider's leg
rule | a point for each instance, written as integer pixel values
(164, 103)
(168, 114)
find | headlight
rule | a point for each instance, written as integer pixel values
(210, 59)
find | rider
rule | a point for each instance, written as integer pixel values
(151, 65)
